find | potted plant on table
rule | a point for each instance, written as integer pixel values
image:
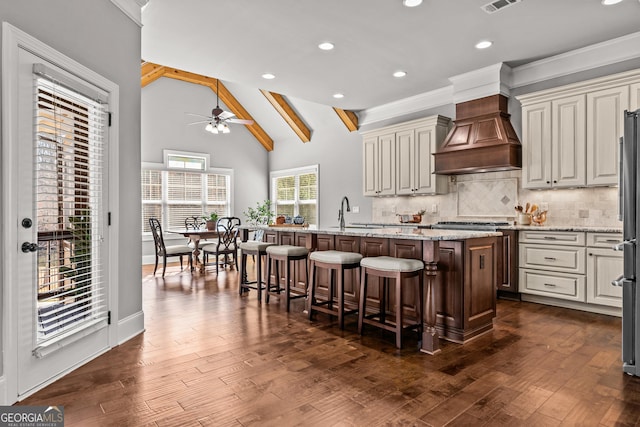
(260, 215)
(211, 219)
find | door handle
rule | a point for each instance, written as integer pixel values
(618, 281)
(620, 246)
(29, 247)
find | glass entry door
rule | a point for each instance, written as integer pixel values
(63, 312)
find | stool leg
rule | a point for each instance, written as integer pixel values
(421, 302)
(332, 283)
(363, 299)
(383, 288)
(398, 280)
(243, 272)
(340, 291)
(269, 262)
(286, 283)
(311, 288)
(259, 277)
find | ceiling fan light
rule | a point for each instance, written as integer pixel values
(411, 3)
(220, 126)
(226, 129)
(209, 127)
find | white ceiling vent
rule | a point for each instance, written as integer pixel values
(498, 4)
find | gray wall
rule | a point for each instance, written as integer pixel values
(338, 153)
(165, 125)
(99, 36)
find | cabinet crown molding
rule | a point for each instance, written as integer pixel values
(436, 120)
(580, 88)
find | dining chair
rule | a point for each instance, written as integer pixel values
(194, 223)
(227, 228)
(167, 251)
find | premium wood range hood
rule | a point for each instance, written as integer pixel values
(482, 139)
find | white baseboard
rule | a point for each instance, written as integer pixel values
(130, 326)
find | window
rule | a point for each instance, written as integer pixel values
(295, 192)
(70, 133)
(183, 187)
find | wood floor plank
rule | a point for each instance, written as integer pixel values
(210, 357)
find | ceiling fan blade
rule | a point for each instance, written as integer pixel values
(240, 121)
(226, 115)
(199, 122)
(199, 115)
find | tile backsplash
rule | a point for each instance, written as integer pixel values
(493, 196)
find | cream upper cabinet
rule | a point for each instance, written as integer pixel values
(554, 148)
(567, 142)
(405, 160)
(387, 171)
(605, 126)
(536, 152)
(370, 166)
(398, 159)
(570, 134)
(634, 98)
(379, 164)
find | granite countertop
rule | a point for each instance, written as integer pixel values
(554, 227)
(592, 229)
(422, 232)
(389, 232)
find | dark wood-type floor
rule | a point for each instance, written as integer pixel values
(211, 358)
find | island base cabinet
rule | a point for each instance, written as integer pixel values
(465, 288)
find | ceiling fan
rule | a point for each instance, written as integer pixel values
(217, 121)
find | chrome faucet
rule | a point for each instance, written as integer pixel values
(341, 211)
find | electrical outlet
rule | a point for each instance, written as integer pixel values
(434, 208)
(583, 213)
(355, 209)
(393, 209)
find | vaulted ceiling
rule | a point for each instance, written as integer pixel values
(240, 40)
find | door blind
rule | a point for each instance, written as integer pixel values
(69, 170)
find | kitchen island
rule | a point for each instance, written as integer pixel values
(460, 272)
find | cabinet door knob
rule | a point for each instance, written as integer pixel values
(548, 182)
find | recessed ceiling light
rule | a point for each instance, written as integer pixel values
(326, 46)
(338, 95)
(268, 76)
(483, 44)
(610, 2)
(412, 3)
(399, 74)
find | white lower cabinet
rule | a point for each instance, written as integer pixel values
(571, 269)
(556, 285)
(603, 265)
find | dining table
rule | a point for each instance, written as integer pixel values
(196, 235)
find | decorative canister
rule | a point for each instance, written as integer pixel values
(524, 218)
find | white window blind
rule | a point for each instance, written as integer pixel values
(70, 134)
(172, 195)
(151, 197)
(295, 192)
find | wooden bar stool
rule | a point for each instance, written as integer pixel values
(336, 262)
(286, 254)
(398, 269)
(258, 249)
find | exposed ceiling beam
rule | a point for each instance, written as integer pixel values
(349, 118)
(288, 114)
(150, 72)
(223, 93)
